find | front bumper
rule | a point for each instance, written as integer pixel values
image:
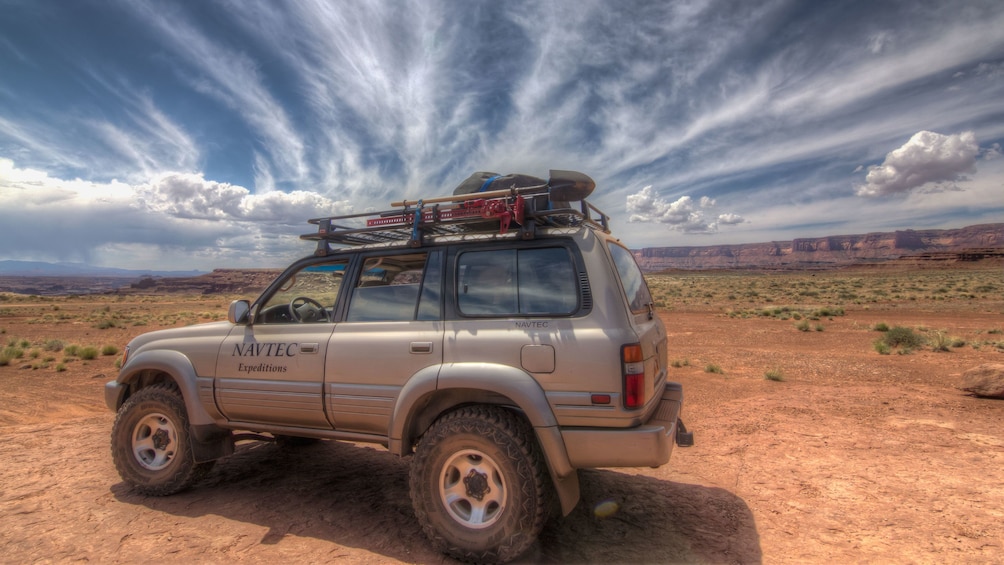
(648, 445)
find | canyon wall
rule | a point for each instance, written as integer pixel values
(964, 244)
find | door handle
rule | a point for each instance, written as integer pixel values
(421, 347)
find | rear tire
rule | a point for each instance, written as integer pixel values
(151, 443)
(478, 485)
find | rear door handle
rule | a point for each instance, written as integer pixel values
(421, 347)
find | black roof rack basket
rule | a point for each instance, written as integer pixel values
(415, 223)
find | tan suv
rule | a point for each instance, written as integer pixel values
(502, 340)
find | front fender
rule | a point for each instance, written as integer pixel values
(177, 367)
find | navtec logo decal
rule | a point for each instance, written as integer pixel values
(264, 350)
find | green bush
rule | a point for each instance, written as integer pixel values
(109, 350)
(774, 375)
(712, 368)
(881, 347)
(54, 345)
(904, 338)
(881, 327)
(802, 326)
(88, 352)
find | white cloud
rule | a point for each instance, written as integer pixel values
(682, 215)
(201, 221)
(927, 157)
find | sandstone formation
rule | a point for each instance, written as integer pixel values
(985, 380)
(925, 247)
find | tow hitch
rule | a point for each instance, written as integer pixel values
(683, 437)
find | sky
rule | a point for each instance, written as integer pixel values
(203, 134)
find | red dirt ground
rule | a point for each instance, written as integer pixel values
(854, 457)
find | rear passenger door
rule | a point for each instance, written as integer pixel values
(391, 329)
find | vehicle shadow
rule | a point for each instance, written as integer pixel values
(357, 496)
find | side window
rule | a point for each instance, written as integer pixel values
(306, 296)
(389, 288)
(517, 282)
(638, 295)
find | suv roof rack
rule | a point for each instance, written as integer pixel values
(487, 214)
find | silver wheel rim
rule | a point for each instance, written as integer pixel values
(154, 441)
(478, 502)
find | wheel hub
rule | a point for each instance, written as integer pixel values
(477, 485)
(161, 439)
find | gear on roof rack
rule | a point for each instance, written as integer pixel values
(488, 213)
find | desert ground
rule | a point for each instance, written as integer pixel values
(812, 445)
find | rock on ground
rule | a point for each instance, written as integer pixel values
(985, 380)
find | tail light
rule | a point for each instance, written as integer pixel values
(633, 370)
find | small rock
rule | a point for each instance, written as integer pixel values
(985, 380)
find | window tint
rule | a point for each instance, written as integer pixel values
(516, 282)
(637, 291)
(388, 289)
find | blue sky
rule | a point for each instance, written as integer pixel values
(202, 134)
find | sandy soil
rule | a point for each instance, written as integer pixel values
(854, 457)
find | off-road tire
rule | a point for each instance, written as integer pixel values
(151, 443)
(498, 447)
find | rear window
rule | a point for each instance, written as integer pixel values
(509, 282)
(637, 292)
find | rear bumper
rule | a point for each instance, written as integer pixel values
(648, 445)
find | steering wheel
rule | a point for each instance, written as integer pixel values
(310, 314)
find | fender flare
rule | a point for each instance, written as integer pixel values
(491, 382)
(180, 369)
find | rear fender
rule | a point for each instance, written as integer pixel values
(436, 390)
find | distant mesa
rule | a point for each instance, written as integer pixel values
(920, 248)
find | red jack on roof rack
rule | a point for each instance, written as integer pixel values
(478, 213)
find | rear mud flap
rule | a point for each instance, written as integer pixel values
(683, 437)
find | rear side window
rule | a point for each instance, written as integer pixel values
(638, 295)
(510, 282)
(389, 289)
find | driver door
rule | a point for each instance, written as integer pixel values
(271, 371)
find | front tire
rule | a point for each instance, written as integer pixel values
(477, 485)
(151, 443)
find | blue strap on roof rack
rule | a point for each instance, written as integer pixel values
(488, 183)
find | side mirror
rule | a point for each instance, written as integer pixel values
(238, 312)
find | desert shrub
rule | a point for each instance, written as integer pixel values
(881, 327)
(88, 352)
(802, 326)
(677, 363)
(819, 327)
(60, 368)
(881, 347)
(106, 324)
(904, 338)
(712, 368)
(774, 375)
(109, 350)
(940, 341)
(71, 350)
(54, 345)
